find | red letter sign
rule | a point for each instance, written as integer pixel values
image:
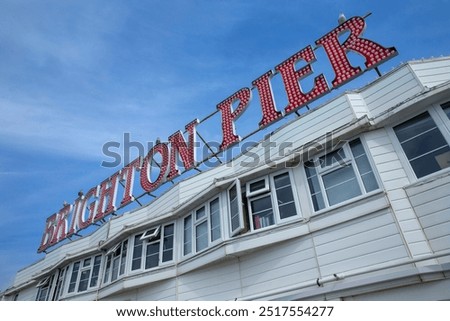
(291, 77)
(79, 219)
(107, 191)
(60, 231)
(337, 53)
(185, 151)
(270, 113)
(146, 182)
(48, 233)
(228, 116)
(127, 175)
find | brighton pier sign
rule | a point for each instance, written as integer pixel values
(101, 200)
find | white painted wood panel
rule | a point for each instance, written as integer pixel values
(358, 104)
(386, 159)
(391, 90)
(277, 266)
(431, 201)
(215, 282)
(156, 291)
(359, 243)
(159, 291)
(195, 185)
(28, 294)
(432, 73)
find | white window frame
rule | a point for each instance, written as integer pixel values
(348, 160)
(60, 282)
(43, 282)
(152, 236)
(442, 122)
(269, 190)
(240, 214)
(116, 254)
(265, 189)
(80, 271)
(47, 285)
(206, 218)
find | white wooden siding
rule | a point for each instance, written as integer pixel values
(432, 72)
(315, 124)
(192, 187)
(159, 291)
(28, 294)
(362, 242)
(278, 266)
(156, 291)
(394, 179)
(215, 282)
(358, 104)
(431, 201)
(386, 160)
(391, 90)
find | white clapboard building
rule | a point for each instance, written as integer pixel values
(357, 208)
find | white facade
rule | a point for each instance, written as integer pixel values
(370, 222)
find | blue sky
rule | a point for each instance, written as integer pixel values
(75, 75)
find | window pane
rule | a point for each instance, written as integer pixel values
(424, 145)
(152, 258)
(285, 197)
(336, 157)
(42, 293)
(446, 108)
(262, 212)
(257, 185)
(431, 162)
(215, 220)
(123, 259)
(314, 186)
(282, 180)
(84, 279)
(60, 283)
(168, 243)
(187, 235)
(87, 262)
(364, 168)
(95, 270)
(73, 278)
(234, 209)
(287, 210)
(200, 213)
(137, 253)
(369, 181)
(414, 126)
(341, 185)
(261, 204)
(107, 269)
(201, 236)
(115, 268)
